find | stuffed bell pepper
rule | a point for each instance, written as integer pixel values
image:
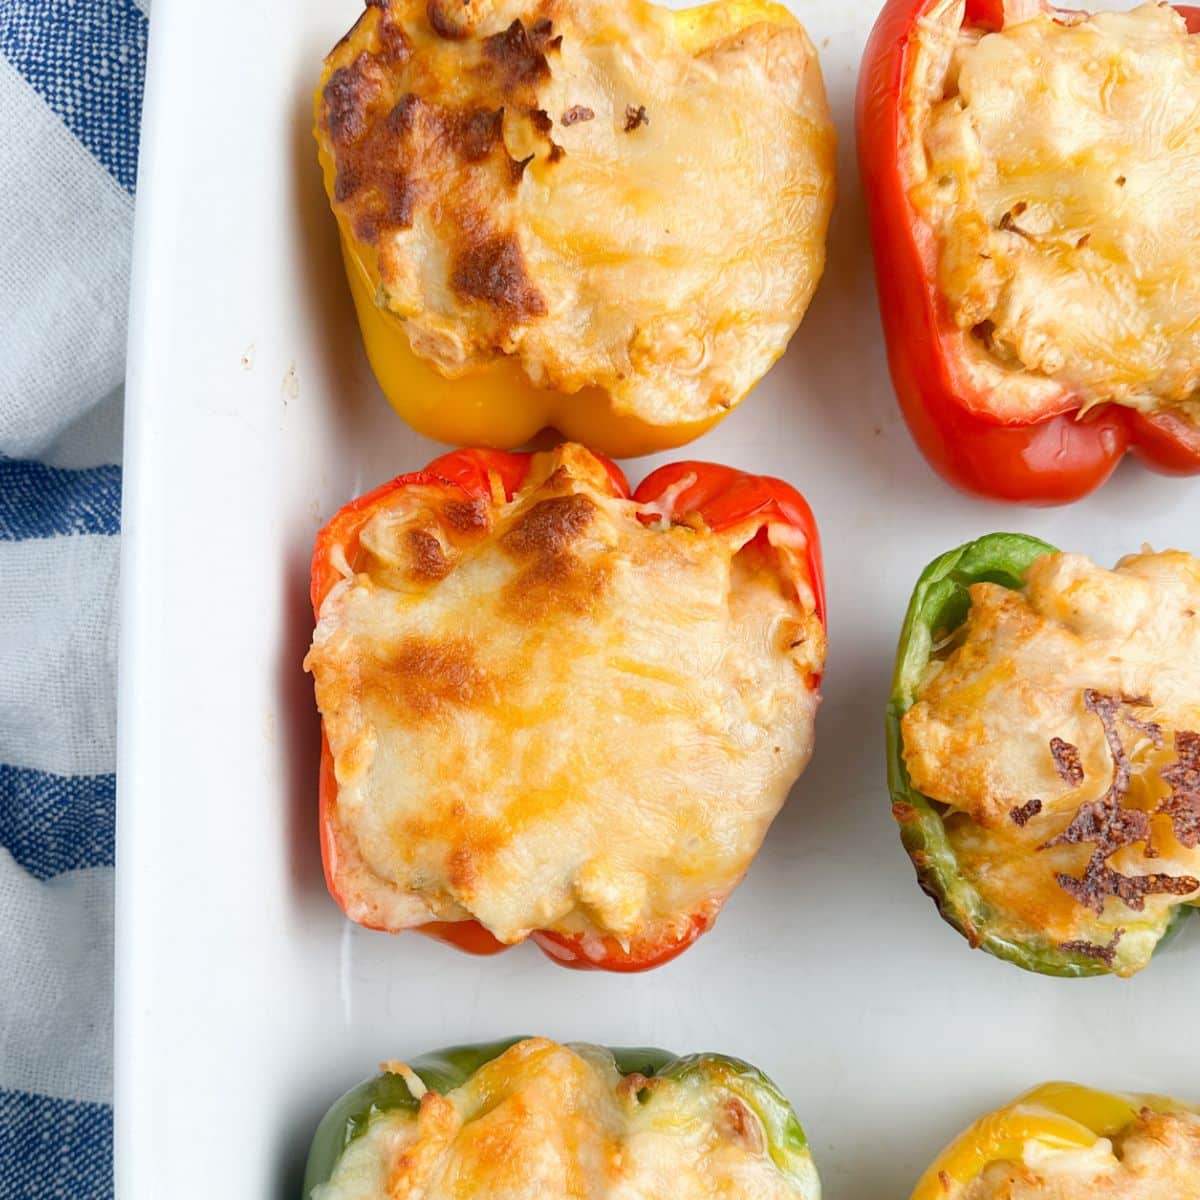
(1044, 750)
(1033, 181)
(1062, 1141)
(555, 710)
(530, 1118)
(602, 216)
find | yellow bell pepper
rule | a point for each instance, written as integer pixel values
(1064, 1116)
(495, 404)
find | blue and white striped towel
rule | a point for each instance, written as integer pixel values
(70, 99)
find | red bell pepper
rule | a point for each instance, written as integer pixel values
(719, 497)
(1052, 459)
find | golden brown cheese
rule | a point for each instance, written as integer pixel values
(1026, 719)
(603, 191)
(544, 1120)
(1157, 1158)
(1058, 163)
(559, 713)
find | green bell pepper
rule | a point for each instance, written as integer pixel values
(939, 606)
(387, 1094)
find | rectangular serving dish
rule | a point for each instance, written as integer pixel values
(245, 1001)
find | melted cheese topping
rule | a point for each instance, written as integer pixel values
(615, 195)
(553, 715)
(543, 1120)
(1157, 1158)
(1059, 167)
(979, 737)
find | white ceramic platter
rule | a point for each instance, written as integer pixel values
(245, 1001)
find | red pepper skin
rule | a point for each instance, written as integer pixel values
(725, 497)
(722, 496)
(607, 954)
(1054, 460)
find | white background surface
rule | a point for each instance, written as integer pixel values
(246, 1003)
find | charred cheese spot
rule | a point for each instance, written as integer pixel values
(1053, 728)
(353, 90)
(1057, 165)
(551, 575)
(479, 133)
(550, 527)
(411, 549)
(1156, 1157)
(429, 561)
(559, 583)
(666, 269)
(421, 678)
(452, 19)
(518, 55)
(493, 269)
(467, 516)
(347, 95)
(582, 721)
(547, 1120)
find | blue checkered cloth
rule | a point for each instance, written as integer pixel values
(70, 104)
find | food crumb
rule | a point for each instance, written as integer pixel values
(291, 384)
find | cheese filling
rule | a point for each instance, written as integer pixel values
(613, 195)
(1060, 728)
(1058, 165)
(556, 714)
(1155, 1158)
(545, 1120)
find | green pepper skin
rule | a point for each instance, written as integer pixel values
(939, 605)
(350, 1116)
(445, 1070)
(786, 1140)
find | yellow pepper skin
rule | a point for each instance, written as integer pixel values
(493, 403)
(1066, 1116)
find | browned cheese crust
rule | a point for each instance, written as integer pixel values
(560, 712)
(1059, 729)
(612, 195)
